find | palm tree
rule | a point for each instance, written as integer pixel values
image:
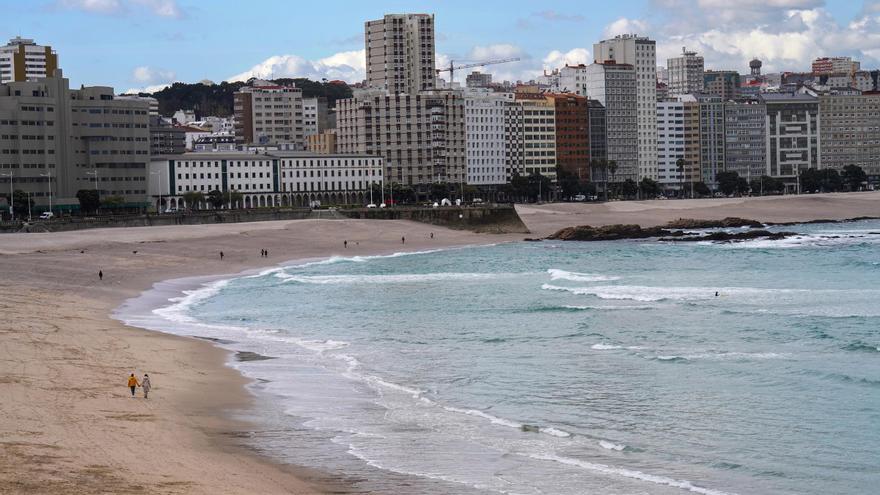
(612, 167)
(679, 165)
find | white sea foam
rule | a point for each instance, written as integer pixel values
(611, 445)
(495, 420)
(177, 311)
(829, 239)
(605, 347)
(555, 432)
(556, 274)
(628, 473)
(654, 294)
(723, 356)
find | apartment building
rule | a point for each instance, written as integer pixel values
(792, 138)
(538, 134)
(485, 137)
(421, 136)
(685, 73)
(745, 138)
(55, 141)
(166, 139)
(670, 143)
(316, 117)
(613, 85)
(711, 137)
(400, 53)
(572, 134)
(640, 52)
(269, 114)
(835, 65)
(24, 60)
(722, 83)
(849, 126)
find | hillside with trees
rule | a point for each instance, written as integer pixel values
(217, 99)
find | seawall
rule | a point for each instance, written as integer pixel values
(485, 219)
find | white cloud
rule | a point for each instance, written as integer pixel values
(161, 8)
(556, 59)
(348, 66)
(93, 6)
(626, 26)
(150, 75)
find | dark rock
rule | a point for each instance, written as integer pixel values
(607, 233)
(531, 239)
(732, 237)
(726, 223)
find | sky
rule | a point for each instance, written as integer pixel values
(146, 44)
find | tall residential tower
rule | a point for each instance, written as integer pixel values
(400, 53)
(641, 53)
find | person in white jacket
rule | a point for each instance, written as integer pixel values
(145, 384)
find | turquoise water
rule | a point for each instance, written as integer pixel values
(578, 367)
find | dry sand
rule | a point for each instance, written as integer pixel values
(67, 423)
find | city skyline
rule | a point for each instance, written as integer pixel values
(157, 42)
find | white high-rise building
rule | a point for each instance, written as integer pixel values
(23, 60)
(685, 73)
(670, 143)
(639, 52)
(400, 53)
(485, 136)
(315, 116)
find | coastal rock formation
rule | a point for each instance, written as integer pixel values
(732, 237)
(609, 233)
(726, 223)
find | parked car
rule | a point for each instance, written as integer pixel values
(371, 205)
(580, 197)
(47, 215)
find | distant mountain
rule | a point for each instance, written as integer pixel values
(217, 99)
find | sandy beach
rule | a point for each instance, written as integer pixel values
(68, 424)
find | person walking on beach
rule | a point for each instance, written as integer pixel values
(403, 240)
(345, 243)
(133, 384)
(432, 235)
(145, 384)
(100, 275)
(221, 255)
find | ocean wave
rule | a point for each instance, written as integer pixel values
(627, 473)
(859, 346)
(612, 347)
(643, 293)
(495, 420)
(385, 279)
(180, 306)
(611, 445)
(721, 356)
(556, 274)
(803, 241)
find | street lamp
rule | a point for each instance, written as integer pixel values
(29, 206)
(49, 175)
(11, 202)
(160, 190)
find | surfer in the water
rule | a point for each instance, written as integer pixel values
(716, 293)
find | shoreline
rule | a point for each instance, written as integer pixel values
(68, 426)
(190, 429)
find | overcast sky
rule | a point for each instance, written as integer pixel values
(148, 43)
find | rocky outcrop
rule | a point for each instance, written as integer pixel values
(610, 233)
(732, 237)
(726, 223)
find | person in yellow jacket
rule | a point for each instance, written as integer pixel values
(133, 383)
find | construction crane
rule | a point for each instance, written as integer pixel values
(452, 67)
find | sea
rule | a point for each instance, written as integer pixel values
(628, 367)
